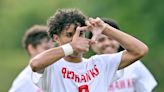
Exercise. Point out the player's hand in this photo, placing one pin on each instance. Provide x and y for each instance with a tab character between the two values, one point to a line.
79	43
96	26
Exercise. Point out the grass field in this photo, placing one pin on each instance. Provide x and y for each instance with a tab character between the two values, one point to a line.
12	62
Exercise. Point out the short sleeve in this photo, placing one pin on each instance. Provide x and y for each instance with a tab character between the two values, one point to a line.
23	82
145	81
35	77
24	86
42	80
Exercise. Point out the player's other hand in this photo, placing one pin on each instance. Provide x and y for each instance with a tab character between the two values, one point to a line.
79	43
96	26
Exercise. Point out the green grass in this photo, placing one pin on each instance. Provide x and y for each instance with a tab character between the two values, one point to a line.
12	62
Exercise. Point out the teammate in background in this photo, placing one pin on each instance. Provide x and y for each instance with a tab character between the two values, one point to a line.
136	77
63	68
35	41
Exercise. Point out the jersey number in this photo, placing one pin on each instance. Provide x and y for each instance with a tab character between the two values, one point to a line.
83	88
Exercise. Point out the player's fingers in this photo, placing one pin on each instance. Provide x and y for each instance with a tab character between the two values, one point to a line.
88	23
84	28
77	33
92	21
98	20
94	37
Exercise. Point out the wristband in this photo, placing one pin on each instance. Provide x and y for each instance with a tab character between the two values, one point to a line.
67	48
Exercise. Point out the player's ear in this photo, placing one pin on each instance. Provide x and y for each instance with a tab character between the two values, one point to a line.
31	49
56	38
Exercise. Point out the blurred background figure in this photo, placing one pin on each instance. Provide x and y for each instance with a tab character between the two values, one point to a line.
134	78
35	40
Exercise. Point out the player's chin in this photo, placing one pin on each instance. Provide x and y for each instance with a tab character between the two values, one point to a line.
75	55
106	52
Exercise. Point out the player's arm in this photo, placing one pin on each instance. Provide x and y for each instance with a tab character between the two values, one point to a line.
134	49
46	58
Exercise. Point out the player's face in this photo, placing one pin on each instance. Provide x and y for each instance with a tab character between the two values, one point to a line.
44	45
105	45
66	35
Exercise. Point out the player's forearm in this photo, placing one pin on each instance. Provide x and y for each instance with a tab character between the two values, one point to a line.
131	44
46	58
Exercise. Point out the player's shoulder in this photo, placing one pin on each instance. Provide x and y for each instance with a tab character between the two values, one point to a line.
137	63
107	56
23	76
103	55
85	59
22	79
135	66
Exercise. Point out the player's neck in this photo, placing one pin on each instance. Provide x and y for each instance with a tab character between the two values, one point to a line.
73	59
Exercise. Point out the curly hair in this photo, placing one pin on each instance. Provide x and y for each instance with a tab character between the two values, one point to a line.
63	18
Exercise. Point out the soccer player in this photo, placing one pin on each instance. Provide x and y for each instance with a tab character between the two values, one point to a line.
134	78
64	70
35	41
